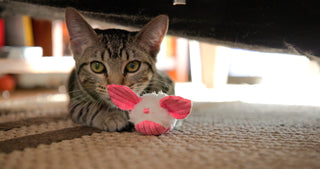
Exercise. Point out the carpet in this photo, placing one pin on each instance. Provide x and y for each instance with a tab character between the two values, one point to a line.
215	135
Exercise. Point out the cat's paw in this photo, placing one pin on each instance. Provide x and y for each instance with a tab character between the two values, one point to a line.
116	122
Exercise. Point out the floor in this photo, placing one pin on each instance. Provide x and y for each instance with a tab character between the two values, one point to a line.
35	132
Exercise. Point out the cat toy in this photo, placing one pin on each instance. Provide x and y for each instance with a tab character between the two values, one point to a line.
152	113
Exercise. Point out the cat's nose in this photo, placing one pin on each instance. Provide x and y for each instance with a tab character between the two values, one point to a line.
115	78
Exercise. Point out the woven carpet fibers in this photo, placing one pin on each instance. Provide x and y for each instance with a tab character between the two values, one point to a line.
215	135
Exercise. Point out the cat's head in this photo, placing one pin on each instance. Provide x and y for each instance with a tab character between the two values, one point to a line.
113	56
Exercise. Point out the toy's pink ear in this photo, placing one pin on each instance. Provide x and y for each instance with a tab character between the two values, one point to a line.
177	107
123	97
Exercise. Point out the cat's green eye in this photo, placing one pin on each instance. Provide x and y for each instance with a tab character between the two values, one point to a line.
133	66
97	67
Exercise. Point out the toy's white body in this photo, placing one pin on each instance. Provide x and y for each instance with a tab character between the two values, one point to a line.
153	113
149	109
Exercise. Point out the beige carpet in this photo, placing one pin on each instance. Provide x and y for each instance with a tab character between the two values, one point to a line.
216	135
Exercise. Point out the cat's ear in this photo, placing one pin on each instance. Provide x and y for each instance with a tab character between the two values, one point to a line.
178	107
123	97
151	35
81	33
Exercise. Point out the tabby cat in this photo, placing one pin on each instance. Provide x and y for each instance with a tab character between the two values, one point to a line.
112	56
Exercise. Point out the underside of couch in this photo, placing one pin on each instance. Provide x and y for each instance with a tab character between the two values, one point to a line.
274	26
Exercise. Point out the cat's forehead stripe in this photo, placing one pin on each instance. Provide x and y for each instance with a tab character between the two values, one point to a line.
102	55
108	52
127	53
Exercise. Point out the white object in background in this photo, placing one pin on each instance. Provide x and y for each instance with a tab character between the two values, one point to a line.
179	2
12	52
195	62
182	59
38	65
57	38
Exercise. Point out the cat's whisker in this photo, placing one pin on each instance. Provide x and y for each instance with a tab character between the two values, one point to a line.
74	91
79	99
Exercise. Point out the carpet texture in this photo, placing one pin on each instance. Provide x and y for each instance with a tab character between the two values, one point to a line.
215	135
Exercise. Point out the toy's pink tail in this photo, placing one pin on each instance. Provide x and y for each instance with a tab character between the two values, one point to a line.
123	97
177	107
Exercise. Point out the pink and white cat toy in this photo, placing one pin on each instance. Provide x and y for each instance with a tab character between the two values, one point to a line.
152	113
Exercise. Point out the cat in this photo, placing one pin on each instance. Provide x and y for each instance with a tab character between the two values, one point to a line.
112	56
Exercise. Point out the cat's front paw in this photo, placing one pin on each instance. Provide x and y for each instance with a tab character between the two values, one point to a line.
116	122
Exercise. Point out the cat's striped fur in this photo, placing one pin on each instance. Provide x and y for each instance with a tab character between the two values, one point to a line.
114	50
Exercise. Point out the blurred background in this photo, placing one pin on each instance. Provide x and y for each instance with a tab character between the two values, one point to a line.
35	59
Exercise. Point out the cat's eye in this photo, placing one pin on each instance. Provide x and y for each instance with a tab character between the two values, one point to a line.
97	67
133	66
